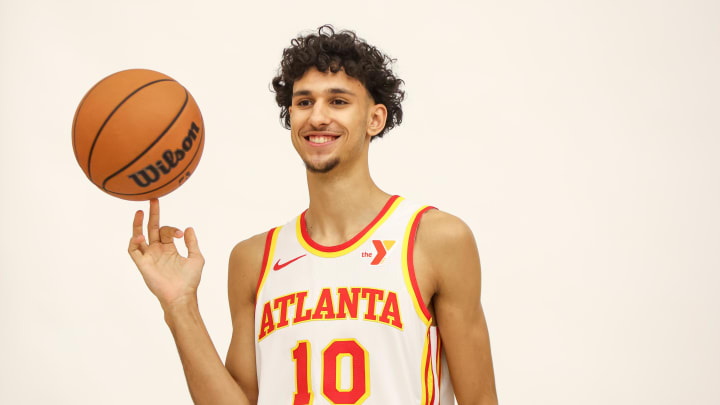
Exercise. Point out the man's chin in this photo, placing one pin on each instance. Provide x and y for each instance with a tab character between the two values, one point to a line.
322	167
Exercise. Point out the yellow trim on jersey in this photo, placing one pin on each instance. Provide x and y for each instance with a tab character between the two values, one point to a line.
423	366
363	239
268	265
426	372
406	271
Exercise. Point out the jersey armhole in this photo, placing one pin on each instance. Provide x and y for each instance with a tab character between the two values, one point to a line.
268	253
409	268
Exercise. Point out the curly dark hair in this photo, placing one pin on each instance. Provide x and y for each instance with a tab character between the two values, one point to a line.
328	50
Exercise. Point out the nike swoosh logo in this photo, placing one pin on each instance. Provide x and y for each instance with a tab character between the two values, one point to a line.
279	266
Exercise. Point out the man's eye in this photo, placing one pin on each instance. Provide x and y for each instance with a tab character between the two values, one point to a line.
338	101
303	103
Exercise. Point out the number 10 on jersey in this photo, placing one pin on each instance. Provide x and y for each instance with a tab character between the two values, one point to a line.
332	357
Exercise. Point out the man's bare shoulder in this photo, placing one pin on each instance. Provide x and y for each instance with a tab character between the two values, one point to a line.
441	232
249	249
446	243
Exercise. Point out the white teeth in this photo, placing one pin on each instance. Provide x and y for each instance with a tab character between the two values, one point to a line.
320	139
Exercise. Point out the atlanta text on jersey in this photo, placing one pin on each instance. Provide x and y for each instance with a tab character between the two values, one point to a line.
348	305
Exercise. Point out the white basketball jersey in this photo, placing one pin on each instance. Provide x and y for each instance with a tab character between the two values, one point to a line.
346	324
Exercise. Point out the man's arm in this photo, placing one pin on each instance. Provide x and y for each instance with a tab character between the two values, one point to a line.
243	274
207	378
236	383
174	280
447	247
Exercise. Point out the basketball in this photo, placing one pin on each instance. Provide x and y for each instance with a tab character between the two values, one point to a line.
138	134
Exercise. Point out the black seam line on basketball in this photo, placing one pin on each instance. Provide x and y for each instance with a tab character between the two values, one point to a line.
152	144
77	112
79	108
113	112
74	125
182	173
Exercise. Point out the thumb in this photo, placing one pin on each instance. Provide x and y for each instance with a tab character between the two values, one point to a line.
192	243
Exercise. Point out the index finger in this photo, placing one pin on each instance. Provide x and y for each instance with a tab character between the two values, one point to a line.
154	221
137	223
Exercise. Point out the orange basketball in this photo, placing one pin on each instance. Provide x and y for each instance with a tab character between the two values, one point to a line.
138	134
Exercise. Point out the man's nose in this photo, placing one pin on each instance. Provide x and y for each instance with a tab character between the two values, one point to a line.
319	116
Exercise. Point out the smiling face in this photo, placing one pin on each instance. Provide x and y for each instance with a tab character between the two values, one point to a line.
332	118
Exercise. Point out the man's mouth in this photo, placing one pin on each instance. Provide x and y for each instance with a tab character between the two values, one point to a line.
320	139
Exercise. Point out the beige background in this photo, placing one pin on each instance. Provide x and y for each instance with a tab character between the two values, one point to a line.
579	140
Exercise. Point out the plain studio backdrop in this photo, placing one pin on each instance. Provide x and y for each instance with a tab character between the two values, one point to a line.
578	140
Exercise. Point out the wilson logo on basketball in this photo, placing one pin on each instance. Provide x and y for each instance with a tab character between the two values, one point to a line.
170	159
382	247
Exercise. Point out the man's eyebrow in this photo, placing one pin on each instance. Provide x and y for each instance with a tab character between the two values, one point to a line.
333	90
336	90
301	93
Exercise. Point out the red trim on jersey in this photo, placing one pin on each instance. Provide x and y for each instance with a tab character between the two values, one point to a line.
411	267
337	248
266	253
425	399
432	371
428	366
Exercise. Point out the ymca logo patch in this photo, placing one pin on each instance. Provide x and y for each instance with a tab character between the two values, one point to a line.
382	247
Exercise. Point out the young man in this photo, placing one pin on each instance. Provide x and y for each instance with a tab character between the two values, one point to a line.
365	298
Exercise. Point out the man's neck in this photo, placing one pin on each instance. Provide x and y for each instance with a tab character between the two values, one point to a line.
342	203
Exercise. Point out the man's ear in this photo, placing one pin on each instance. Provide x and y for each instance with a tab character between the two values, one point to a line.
376	119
